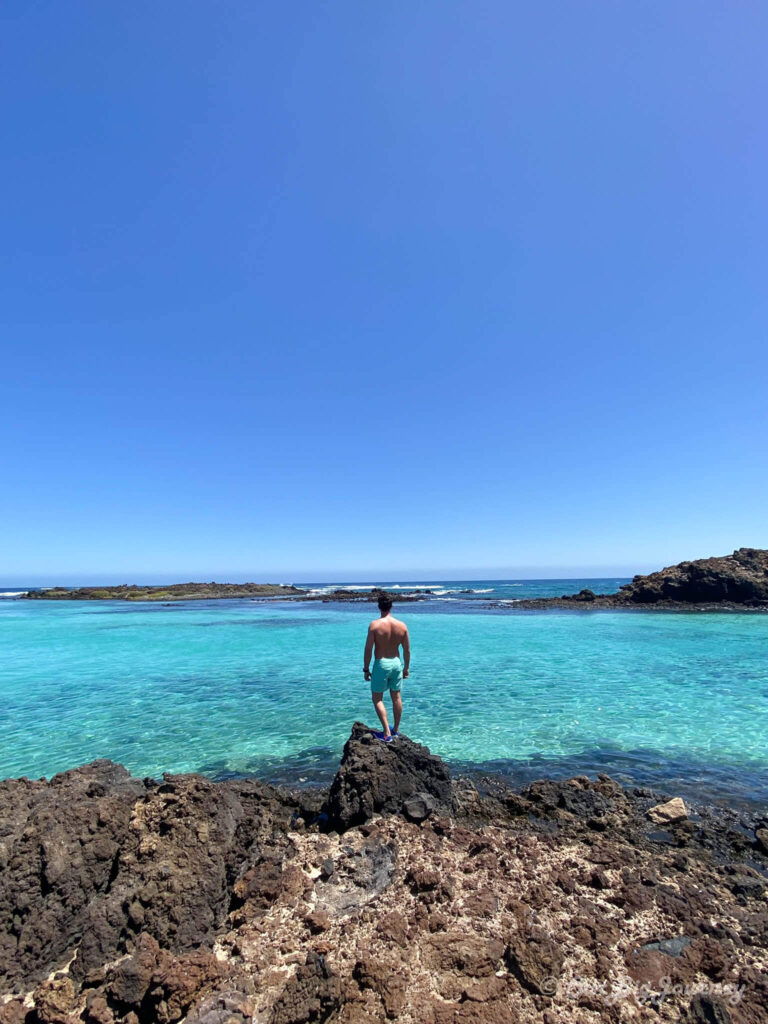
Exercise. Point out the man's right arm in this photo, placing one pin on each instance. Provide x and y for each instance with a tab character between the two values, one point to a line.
406	653
368	652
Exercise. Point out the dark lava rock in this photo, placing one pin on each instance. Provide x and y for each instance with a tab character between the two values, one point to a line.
749	886
419	807
578	796
736	581
93	857
535	961
377	777
741	577
60	844
312	994
705	1010
672	947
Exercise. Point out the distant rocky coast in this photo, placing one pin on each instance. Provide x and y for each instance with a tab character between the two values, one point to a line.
399	893
171	592
737	582
210	592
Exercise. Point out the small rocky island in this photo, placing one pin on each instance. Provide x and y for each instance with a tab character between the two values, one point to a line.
212	592
736	582
170	592
399	893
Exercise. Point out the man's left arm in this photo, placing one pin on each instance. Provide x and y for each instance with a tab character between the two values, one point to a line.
367	654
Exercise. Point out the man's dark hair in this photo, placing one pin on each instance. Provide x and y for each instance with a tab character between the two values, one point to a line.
385	603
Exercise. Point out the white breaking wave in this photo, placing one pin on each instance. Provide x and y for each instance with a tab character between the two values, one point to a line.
483	590
377	586
343	586
12	593
414	586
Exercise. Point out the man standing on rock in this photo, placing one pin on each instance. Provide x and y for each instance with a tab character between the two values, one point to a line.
385	637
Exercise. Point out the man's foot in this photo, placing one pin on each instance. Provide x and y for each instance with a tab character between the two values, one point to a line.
394	734
383	736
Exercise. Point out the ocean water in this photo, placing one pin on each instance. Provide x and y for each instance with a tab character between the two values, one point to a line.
679	701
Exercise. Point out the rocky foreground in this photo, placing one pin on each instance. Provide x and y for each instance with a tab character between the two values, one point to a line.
736	582
397	894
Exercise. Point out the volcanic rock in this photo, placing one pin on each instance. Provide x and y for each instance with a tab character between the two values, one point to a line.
731	582
226	903
95	856
419	806
376	777
312	994
705	1010
741	578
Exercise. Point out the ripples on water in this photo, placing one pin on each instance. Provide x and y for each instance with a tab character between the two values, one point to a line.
676	701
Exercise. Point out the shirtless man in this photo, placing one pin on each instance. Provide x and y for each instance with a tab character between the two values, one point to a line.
386	635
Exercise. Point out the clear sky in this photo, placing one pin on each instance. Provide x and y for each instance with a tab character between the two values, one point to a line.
325	289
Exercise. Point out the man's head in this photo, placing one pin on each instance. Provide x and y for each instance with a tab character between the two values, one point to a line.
385	604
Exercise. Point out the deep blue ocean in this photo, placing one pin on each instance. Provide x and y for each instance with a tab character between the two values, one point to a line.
675	700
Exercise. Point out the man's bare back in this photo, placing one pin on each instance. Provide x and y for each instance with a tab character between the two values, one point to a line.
386	636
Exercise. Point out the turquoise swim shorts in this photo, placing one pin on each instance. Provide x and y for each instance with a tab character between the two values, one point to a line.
387	674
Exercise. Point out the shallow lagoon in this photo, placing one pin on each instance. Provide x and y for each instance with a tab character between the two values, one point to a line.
676	700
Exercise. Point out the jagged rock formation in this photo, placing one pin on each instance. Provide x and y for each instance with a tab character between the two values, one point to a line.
219	903
741	578
376	777
737	581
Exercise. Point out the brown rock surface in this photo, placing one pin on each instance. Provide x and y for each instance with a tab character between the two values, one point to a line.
128	902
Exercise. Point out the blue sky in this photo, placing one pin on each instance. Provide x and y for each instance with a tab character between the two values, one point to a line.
329	289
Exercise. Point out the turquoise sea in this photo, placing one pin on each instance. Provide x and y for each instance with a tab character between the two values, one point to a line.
676	700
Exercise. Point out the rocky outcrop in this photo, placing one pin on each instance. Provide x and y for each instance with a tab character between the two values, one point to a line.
94	858
740	578
733	582
137	902
60	844
376	777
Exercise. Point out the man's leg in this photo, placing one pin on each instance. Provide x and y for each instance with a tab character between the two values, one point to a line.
381	711
397	707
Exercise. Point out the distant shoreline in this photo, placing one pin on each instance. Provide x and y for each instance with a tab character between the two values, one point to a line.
171	592
207	592
737	582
